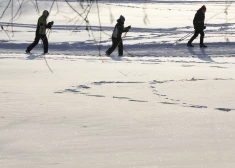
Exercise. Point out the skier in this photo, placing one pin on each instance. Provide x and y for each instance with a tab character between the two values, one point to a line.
41	32
199	26
117	36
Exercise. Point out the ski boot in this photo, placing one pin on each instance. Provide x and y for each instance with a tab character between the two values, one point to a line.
190	45
203	46
106	54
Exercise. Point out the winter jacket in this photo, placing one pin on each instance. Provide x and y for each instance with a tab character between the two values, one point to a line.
41	25
119	29
198	20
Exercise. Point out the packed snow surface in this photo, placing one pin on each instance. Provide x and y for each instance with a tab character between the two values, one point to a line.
162	105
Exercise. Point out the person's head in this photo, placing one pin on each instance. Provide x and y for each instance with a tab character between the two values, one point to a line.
45	13
122	19
203	9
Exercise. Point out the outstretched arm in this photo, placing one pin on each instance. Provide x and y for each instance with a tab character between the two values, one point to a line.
126	29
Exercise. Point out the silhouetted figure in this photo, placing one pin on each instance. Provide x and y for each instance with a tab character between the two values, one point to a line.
41	32
199	26
117	37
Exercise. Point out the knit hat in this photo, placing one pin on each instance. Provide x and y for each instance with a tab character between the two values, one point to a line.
203	7
122	18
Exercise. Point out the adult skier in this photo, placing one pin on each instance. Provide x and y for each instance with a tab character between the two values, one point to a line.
41	32
199	26
117	36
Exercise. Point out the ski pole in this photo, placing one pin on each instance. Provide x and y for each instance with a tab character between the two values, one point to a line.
122	38
48	32
124	35
124	48
181	39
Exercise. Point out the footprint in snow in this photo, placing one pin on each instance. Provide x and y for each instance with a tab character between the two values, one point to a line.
83	87
224	109
116	97
96	95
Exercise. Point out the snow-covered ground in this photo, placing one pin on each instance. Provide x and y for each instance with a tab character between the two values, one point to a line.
160	106
165	23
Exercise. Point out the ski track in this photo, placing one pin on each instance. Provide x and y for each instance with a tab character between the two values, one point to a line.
166	99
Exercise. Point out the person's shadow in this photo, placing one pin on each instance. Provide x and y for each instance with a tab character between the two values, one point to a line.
202	55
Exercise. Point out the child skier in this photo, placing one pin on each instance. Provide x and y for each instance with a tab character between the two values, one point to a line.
41	32
199	26
117	37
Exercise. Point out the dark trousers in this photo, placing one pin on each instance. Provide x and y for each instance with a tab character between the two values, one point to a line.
36	40
201	32
116	42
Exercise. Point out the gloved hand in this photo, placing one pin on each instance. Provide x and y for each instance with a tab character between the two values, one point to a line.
50	24
204	27
128	28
